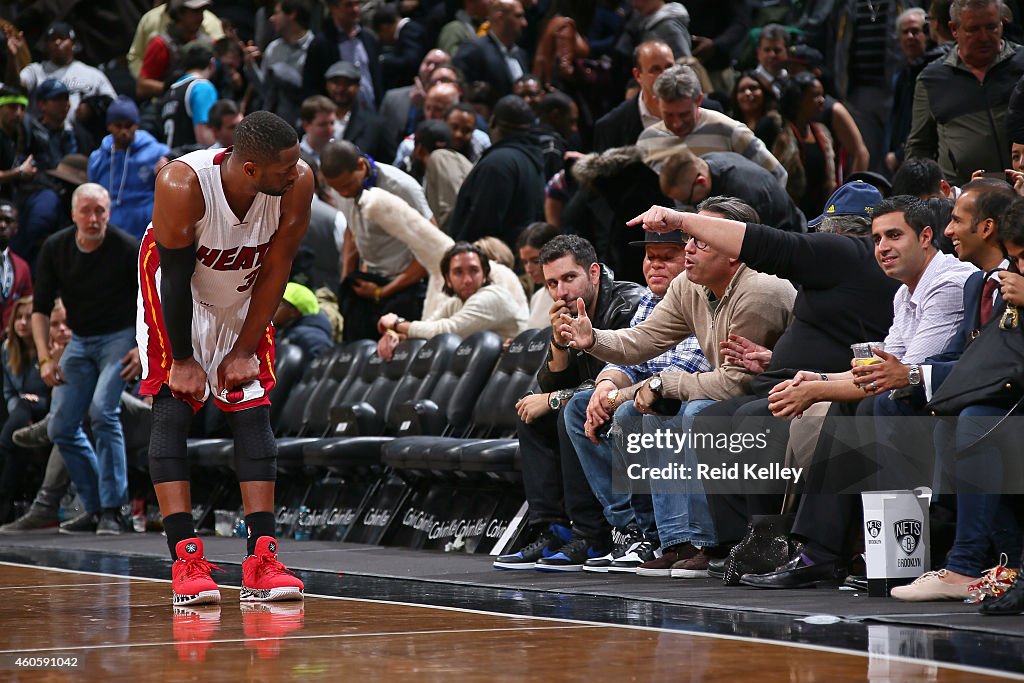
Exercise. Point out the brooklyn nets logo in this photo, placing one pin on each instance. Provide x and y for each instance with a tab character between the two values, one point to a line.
908	534
874	527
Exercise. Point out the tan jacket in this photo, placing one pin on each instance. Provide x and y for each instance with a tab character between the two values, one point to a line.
755	305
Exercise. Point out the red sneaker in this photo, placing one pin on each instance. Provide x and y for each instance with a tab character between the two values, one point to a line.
266	624
265	578
194	629
191	575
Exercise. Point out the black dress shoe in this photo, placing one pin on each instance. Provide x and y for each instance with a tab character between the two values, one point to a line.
796	574
1009	603
716	567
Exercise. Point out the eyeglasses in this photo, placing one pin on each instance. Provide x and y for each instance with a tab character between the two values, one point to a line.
700	245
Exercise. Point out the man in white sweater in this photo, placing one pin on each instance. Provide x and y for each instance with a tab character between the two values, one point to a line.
476	304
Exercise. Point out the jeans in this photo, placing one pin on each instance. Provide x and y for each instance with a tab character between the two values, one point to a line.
91	369
15	460
985	522
620	508
680	517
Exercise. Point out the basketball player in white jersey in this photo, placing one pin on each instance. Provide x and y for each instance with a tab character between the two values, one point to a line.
212	268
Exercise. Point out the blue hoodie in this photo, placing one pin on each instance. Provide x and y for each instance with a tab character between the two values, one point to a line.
130	179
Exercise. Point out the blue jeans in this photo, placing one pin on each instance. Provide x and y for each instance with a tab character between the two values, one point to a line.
985	523
680	517
91	369
620	508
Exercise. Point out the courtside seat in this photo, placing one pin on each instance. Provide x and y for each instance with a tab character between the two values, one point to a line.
494	416
416	383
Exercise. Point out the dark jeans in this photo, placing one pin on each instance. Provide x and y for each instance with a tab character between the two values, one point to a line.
556	486
14	457
361	315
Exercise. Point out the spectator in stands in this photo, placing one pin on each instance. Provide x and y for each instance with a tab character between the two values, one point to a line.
298	321
913	35
93	267
717	29
440	100
401	222
759	303
530	89
228	62
622	125
15	277
922	178
772	50
429	137
589	413
186	106
224	118
557	130
657	20
495	58
27	399
81	80
126	165
690	179
317	116
379	274
343	39
474	304
973	133
464	27
402	108
556	488
445	170
927	311
505	190
466	137
353	120
91	122
402	45
278	74
531	240
162	61
157	21
804	146
756	105
52	123
683	120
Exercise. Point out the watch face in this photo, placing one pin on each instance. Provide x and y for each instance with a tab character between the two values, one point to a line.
656	385
554	402
613	395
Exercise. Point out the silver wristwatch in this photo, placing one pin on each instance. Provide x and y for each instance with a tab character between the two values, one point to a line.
914	375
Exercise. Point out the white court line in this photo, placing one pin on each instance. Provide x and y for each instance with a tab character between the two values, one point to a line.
378	634
656	629
64	585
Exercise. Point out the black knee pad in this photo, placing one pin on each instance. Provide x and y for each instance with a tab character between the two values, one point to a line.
255	446
168	453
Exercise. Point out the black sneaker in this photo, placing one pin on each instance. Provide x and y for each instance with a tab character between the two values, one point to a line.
84	523
624	540
110	523
571	556
548	541
644	551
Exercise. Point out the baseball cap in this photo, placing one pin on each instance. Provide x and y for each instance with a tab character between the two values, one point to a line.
123	109
343	70
852	199
676	237
51	88
60	28
302	298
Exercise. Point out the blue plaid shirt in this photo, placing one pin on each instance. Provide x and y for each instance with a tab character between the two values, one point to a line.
686	356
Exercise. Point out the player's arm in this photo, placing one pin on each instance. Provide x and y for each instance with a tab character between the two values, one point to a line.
178	206
277	264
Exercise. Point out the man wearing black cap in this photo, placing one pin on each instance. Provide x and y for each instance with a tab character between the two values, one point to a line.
80	79
505	190
355	121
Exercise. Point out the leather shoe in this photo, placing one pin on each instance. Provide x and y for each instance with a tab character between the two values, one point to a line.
796	574
716	567
1009	603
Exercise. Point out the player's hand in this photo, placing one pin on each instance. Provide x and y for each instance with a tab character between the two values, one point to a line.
187	378
577	332
131	366
236	370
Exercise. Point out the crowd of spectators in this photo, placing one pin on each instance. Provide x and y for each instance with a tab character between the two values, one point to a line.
494	164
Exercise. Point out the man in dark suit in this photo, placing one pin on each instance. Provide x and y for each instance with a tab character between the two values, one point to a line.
402	108
342	38
495	58
355	122
622	125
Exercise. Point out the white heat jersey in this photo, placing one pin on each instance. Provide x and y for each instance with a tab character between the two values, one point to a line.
229	248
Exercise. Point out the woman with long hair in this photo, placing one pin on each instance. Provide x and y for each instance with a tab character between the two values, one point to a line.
754	103
804	146
27	398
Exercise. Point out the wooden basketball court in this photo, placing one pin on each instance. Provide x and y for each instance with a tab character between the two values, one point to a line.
79	626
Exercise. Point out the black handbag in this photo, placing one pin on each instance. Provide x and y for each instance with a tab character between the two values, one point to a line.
990	371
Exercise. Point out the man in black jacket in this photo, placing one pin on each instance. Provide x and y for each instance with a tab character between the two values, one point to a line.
343	38
505	190
495	58
556	487
355	121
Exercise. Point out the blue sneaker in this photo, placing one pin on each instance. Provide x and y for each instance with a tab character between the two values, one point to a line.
571	556
548	541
